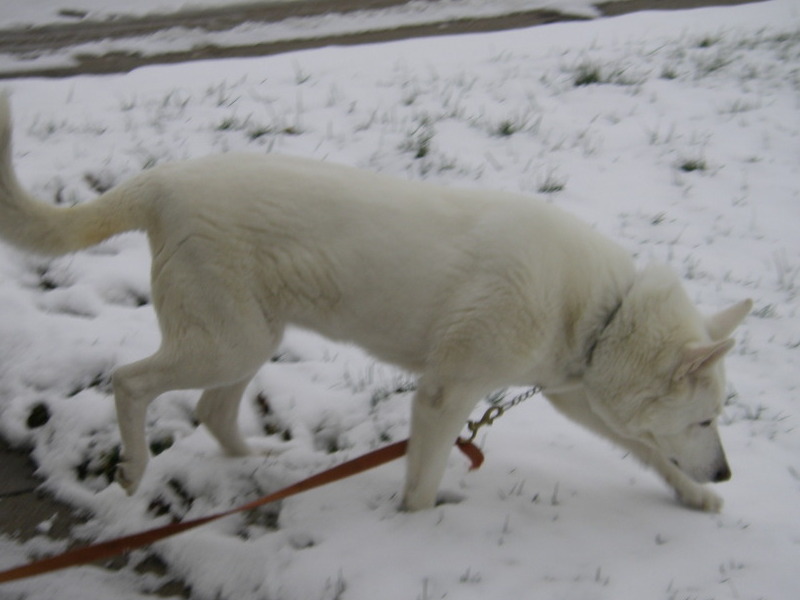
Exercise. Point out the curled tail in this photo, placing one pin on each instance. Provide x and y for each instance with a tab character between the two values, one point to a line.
42	228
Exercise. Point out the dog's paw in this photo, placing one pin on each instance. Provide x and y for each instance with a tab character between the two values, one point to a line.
700	498
129	474
441	498
449	497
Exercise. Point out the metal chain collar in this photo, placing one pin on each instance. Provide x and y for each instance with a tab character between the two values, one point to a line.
496	411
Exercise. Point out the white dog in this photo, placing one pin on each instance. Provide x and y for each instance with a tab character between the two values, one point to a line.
473	290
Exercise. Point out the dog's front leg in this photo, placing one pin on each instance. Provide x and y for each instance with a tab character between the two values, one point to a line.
438	414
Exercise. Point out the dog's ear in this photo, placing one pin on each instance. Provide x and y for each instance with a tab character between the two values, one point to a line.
722	324
697	357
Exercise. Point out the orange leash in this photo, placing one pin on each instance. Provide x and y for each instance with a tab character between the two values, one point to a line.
103	550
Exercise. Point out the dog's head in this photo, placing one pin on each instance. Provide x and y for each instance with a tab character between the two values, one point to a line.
658	377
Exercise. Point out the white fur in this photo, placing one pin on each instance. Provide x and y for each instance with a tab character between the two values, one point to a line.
473	290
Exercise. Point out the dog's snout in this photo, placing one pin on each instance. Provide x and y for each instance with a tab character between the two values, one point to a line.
722	474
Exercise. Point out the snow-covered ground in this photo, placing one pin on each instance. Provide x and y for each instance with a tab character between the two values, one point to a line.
677	134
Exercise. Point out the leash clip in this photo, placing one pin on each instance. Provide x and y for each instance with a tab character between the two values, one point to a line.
496	411
490	416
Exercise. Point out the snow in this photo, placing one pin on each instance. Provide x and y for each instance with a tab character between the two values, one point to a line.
554	512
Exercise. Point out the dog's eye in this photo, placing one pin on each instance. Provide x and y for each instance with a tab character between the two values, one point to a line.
706	423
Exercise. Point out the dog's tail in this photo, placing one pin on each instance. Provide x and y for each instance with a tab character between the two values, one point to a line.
54	230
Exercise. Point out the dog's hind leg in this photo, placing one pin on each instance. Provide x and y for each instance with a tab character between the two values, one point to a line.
223	364
216	333
218	410
135	386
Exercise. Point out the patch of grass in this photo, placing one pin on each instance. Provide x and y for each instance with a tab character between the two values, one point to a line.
271	423
470	576
768	311
401	385
175	501
291	130
100	182
738	106
690	165
788	273
422	146
102	465
138	299
551	184
266	518
222	94
515	124
507	128
708	41
101	382
149	162
669	73
592	73
258	132
47	282
301	76
418	141
706	65
588	74
230	124
327	440
335	589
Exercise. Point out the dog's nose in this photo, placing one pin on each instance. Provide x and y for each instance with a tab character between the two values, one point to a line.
723	474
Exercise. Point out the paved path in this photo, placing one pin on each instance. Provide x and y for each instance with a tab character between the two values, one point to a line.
22	508
63	36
